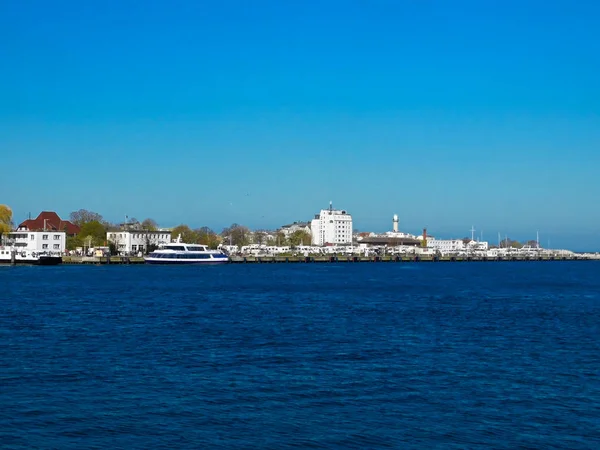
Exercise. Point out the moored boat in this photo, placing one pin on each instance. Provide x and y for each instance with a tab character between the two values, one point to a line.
16	255
181	253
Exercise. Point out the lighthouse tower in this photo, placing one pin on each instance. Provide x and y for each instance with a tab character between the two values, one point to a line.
395	223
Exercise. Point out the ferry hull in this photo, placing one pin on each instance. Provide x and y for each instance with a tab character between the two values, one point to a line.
48	261
164	262
41	261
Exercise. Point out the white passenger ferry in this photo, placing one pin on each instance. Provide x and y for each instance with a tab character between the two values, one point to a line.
180	253
20	254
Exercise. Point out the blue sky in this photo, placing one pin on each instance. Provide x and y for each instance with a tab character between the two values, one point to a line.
450	114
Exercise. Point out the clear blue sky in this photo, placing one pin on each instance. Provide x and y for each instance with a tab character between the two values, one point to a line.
448	113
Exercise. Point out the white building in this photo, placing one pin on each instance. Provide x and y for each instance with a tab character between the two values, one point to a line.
39	241
290	229
446	245
134	241
331	226
478	246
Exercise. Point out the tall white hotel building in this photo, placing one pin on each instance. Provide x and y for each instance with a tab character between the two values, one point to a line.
331	226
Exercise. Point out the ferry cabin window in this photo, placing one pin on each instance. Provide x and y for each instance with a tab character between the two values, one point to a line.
176	247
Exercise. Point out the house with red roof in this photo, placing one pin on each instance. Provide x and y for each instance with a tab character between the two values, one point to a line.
49	221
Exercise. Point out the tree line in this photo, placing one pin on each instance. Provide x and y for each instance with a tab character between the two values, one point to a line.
93	229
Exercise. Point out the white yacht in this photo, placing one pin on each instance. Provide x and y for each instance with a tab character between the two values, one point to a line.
181	253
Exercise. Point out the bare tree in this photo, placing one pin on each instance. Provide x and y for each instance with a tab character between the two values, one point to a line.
259	237
236	234
84	216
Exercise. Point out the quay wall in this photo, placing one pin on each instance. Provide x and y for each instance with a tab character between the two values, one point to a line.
325	259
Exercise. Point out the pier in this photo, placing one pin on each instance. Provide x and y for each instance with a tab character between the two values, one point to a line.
388	259
124	260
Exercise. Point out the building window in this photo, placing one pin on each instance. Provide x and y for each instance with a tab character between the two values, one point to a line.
56	237
45	237
32	237
56	246
44	245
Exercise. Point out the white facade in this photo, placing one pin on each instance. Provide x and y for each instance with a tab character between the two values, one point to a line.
331	226
39	241
135	241
446	245
478	246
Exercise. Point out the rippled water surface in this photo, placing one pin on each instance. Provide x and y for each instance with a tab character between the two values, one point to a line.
385	355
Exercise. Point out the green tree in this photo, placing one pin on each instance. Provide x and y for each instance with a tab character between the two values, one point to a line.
208	237
300	237
113	248
280	239
149	224
94	230
83	216
187	234
73	242
6	224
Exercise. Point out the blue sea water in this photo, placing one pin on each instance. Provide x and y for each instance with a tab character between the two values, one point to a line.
324	356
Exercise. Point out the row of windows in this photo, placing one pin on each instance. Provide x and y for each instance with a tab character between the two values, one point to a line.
55	246
139	235
45	237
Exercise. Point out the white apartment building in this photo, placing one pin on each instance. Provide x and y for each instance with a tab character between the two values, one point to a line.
455	245
39	241
331	226
445	245
134	241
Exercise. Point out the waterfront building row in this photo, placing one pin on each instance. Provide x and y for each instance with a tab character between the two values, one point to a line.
331	231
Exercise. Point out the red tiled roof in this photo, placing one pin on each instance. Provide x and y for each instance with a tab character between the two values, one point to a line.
53	223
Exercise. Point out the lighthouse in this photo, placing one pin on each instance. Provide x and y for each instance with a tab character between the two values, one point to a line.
395	222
